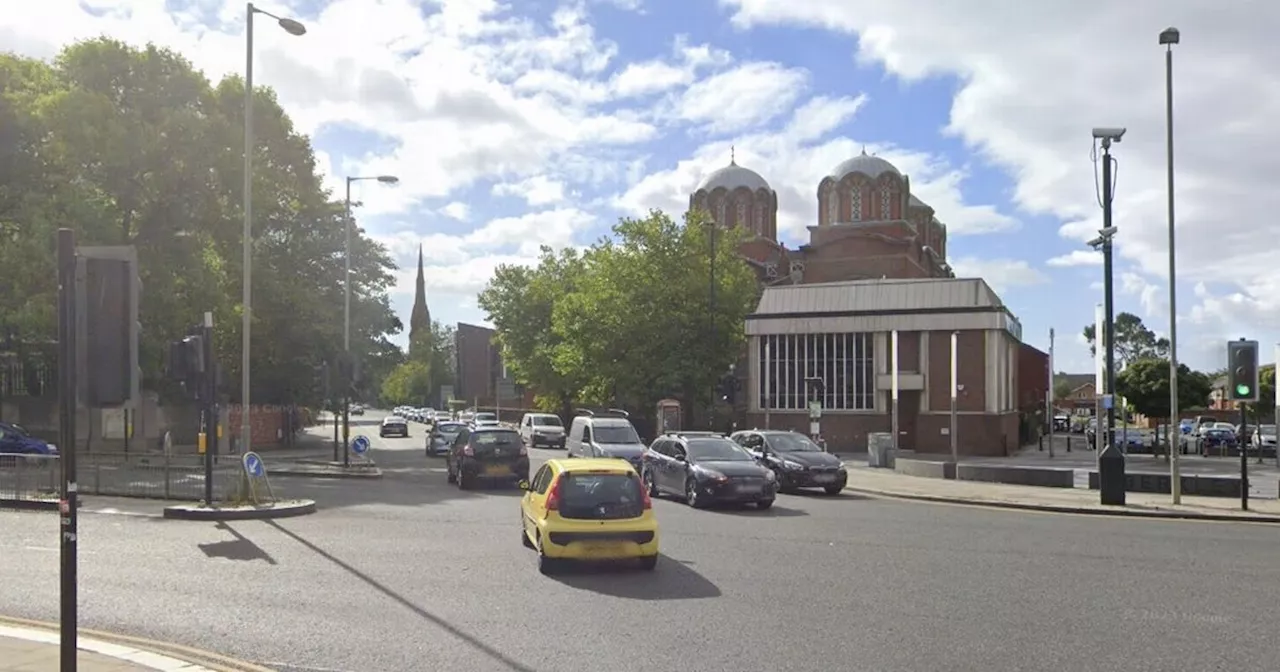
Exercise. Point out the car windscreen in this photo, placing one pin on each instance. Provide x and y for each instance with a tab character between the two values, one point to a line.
615	434
793	443
546	421
718	450
485	416
600	496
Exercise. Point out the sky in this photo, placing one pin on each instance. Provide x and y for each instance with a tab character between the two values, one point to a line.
541	122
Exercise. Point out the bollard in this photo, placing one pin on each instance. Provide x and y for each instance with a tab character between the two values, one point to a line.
1068	444
1041	443
1111	477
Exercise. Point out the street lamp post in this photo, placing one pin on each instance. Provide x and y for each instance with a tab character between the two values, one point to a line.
1108	452
1168	38
346	314
293	28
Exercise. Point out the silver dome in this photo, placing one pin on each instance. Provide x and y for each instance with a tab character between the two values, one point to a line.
871	166
733	177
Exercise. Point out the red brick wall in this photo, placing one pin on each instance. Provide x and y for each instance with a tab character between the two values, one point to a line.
265	423
1033	376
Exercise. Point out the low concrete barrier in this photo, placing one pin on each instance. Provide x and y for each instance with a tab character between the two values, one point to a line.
1192	484
925	468
1034	476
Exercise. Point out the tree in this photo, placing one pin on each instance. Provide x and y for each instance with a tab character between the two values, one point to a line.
1062	389
1145	384
444	359
409	383
134	147
640	324
1134	340
520	302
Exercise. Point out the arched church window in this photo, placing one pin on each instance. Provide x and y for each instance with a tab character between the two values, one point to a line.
886	204
742	213
855	204
833	205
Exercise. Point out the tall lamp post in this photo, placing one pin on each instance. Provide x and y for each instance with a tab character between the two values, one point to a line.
1168	38
346	314
293	28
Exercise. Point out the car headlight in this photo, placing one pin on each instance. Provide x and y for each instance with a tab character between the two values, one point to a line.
769	476
792	466
714	475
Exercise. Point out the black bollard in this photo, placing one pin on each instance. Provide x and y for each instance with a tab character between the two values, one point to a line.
1111	476
1068	444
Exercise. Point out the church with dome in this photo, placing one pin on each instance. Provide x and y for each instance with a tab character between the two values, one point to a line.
869	224
867	321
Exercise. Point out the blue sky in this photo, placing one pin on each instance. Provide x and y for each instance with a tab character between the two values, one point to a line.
543	122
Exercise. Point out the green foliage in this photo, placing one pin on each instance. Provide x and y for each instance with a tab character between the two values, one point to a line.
443	360
1145	384
1062	389
630	319
134	147
409	383
1134	340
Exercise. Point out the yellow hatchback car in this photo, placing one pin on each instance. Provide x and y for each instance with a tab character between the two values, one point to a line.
588	509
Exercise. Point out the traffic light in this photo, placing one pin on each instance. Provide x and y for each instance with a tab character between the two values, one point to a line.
1242	370
187	364
107	289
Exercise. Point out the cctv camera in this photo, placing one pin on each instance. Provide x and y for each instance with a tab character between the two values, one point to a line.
1097	242
1107	232
1113	134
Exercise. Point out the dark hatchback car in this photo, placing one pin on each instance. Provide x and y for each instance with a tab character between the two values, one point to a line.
795	460
705	470
488	453
441	437
394	425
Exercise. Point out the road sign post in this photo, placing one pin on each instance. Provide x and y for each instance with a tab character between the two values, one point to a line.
360	445
255	479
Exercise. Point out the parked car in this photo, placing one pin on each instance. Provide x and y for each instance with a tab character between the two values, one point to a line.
16	441
1217	440
490	453
1264	438
394	425
705	470
593	509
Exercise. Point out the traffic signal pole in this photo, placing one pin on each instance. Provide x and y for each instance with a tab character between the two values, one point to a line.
1243	377
68	385
1244	462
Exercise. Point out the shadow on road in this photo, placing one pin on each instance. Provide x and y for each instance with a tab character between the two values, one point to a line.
239	547
672	580
439	622
751	511
845	496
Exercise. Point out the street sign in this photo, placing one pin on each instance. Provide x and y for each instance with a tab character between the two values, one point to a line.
360	445
254	483
253	467
506	389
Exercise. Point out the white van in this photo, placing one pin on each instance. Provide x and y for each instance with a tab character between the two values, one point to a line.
542	429
604	434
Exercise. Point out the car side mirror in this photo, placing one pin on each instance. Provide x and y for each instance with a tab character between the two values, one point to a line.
681	458
523	485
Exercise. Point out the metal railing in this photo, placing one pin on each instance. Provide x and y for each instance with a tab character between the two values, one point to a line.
156	476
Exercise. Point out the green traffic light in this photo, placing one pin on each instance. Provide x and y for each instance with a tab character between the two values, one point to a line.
1242	390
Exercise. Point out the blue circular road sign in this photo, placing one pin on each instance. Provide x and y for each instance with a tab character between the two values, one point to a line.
360	445
253	464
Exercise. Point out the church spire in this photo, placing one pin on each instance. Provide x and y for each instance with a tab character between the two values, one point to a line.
420	318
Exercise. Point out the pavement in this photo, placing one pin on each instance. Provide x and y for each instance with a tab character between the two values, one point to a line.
33	649
406	573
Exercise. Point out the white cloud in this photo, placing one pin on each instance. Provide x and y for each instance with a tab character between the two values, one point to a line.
1000	274
1077	258
1033	82
742	98
538	190
457	210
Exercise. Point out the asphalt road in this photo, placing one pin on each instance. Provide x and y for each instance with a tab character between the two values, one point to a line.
409	574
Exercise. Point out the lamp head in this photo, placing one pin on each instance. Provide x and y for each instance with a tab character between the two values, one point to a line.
1170	35
388	179
292	27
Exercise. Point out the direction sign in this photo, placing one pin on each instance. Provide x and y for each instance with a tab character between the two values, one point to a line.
253	466
360	445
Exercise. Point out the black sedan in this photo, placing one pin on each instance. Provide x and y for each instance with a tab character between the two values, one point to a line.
394	425
706	470
795	460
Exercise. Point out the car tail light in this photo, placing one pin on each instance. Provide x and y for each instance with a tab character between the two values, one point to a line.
468	450
553	496
523	449
645	500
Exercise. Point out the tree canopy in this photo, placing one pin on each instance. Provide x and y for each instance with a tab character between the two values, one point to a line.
135	147
1145	385
1134	340
629	320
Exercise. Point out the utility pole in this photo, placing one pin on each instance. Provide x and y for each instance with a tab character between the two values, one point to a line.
1169	37
1050	412
711	315
955	390
68	385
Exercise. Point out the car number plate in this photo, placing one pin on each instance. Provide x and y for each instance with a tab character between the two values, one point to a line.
750	489
825	478
600	550
496	470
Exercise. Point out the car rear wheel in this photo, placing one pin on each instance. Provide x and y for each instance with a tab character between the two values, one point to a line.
650	484
764	504
548	565
465	482
524	539
648	562
450	477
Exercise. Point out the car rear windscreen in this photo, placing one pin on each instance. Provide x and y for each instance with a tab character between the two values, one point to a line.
495	438
608	496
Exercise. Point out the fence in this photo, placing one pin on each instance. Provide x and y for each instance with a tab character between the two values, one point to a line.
174	477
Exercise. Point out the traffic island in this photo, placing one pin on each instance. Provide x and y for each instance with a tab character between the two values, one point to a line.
281	509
